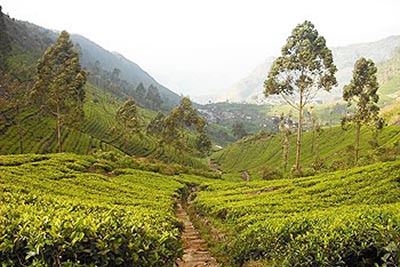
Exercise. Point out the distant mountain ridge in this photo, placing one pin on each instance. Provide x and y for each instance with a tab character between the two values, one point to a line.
250	88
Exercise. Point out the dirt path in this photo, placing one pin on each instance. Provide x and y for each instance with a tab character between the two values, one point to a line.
195	249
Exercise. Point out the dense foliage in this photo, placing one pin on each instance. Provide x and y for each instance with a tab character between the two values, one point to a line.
58	210
362	92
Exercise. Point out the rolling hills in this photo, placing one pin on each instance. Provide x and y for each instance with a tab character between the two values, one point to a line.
106	202
93	134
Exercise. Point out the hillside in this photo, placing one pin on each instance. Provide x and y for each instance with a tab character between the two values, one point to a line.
255	153
250	89
30	41
95	133
389	76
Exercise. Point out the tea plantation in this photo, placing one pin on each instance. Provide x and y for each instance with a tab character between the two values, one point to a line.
344	218
95	132
257	152
56	210
73	210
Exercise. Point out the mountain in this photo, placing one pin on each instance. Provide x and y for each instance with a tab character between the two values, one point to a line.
250	88
30	41
130	71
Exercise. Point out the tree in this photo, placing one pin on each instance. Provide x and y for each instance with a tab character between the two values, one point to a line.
156	125
14	96
305	67
362	92
153	98
203	143
238	130
141	92
58	87
182	117
127	120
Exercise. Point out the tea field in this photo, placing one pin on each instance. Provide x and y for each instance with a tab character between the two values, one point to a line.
264	150
93	134
75	210
59	210
344	218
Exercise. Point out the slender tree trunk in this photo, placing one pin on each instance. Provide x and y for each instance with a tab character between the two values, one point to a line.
299	131
59	130
357	143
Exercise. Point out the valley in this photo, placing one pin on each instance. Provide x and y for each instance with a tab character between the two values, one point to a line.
102	165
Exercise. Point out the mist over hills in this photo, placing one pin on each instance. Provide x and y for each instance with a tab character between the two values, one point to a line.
250	88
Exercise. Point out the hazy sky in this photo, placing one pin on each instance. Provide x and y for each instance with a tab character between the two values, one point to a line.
202	47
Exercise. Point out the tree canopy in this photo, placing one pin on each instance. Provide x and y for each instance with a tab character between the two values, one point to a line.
127	120
362	93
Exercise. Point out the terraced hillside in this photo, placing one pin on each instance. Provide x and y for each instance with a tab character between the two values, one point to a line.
264	150
344	218
94	133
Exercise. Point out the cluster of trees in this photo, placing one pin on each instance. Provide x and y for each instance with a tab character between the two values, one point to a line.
149	98
183	128
306	67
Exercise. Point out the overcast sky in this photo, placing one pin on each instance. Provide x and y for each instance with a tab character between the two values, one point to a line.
202	47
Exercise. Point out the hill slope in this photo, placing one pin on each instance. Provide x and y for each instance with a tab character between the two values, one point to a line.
95	132
264	150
